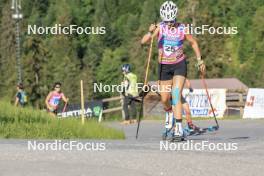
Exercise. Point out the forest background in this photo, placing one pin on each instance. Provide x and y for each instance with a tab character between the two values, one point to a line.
97	58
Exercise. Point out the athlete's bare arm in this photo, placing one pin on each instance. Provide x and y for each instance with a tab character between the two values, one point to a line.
194	45
196	49
65	99
147	37
47	100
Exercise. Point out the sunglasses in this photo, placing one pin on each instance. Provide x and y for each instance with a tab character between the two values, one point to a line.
169	22
57	87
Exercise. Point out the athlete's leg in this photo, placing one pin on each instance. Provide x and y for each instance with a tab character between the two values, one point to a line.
51	112
178	83
187	111
165	84
133	110
126	110
165	93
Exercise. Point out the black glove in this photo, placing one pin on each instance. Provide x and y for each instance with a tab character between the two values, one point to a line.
191	89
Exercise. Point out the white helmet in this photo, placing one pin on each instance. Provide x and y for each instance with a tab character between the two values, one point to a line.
168	11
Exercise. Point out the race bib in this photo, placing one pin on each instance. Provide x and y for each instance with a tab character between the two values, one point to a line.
169	50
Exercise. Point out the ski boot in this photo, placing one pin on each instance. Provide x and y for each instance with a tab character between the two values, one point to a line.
192	129
178	136
169	125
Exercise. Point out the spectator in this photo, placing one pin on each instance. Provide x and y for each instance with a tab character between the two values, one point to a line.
130	92
21	97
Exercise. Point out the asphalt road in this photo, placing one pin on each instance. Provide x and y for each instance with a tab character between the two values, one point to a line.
143	157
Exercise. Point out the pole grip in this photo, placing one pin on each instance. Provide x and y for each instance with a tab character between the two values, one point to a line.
148	61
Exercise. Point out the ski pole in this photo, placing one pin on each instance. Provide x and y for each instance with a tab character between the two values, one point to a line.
65	106
145	83
209	99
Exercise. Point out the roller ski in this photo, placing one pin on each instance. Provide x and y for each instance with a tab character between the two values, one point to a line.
192	129
211	128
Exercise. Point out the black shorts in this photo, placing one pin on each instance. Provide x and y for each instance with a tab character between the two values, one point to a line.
167	71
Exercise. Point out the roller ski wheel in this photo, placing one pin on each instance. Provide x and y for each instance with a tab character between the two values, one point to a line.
177	138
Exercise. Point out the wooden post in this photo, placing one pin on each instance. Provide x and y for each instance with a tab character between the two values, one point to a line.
122	105
100	116
82	102
241	101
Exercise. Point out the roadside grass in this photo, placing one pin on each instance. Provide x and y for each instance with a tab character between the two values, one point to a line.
29	123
